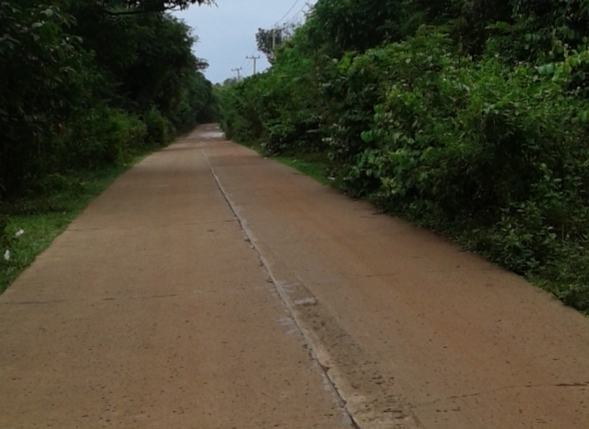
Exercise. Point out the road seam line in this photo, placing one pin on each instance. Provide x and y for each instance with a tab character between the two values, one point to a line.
317	351
312	346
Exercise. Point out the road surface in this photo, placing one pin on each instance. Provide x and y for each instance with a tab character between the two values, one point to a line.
210	288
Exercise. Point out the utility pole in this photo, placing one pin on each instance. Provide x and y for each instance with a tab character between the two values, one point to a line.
238	71
273	39
255	59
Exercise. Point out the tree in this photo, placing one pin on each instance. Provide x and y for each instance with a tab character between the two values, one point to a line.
230	81
335	26
83	85
269	40
132	7
39	65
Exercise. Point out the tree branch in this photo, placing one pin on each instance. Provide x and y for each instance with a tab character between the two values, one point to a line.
180	5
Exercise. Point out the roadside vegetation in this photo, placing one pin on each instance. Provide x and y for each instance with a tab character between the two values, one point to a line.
469	117
87	87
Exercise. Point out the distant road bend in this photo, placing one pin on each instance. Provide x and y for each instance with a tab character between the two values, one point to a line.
210	288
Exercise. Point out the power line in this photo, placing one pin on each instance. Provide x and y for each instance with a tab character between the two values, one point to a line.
246	64
295	16
243	63
287	13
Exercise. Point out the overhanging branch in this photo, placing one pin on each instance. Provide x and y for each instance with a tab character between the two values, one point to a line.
166	6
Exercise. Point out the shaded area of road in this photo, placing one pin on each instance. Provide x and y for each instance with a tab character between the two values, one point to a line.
212	288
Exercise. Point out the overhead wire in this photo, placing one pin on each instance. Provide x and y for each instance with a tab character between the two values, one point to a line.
243	62
297	15
245	65
287	13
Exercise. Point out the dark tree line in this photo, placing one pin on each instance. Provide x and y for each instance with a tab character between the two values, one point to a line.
86	83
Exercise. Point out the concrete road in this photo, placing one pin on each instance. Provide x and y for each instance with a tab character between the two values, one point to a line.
209	287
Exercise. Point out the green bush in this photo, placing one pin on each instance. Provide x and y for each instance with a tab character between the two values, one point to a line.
499	155
477	127
158	129
103	136
241	115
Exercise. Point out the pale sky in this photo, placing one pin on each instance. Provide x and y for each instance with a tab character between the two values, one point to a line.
227	32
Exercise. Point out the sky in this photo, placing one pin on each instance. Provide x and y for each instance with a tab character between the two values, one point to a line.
227	32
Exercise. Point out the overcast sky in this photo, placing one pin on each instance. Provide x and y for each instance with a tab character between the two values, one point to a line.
227	32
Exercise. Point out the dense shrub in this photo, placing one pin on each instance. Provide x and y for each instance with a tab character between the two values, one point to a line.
481	145
496	156
103	136
476	126
158	128
276	107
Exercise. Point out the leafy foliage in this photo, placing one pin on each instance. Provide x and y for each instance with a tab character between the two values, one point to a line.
468	116
269	40
134	7
337	26
84	88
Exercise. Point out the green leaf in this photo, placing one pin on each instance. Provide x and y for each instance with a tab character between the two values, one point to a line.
367	136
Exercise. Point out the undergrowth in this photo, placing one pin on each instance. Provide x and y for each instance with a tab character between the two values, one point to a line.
313	165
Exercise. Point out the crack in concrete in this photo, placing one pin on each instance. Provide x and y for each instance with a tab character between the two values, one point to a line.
57	301
586	384
132	298
501	389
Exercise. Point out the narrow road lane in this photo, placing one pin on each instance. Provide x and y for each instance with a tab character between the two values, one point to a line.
212	288
153	311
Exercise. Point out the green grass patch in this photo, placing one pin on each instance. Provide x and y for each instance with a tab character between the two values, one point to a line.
316	165
312	165
44	213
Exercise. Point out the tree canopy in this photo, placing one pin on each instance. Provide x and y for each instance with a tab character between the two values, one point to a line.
270	40
130	7
85	84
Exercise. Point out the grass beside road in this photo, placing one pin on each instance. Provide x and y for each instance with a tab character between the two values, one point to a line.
311	165
44	214
315	165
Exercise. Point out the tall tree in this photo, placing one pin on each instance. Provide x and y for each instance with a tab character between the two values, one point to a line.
336	26
269	40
